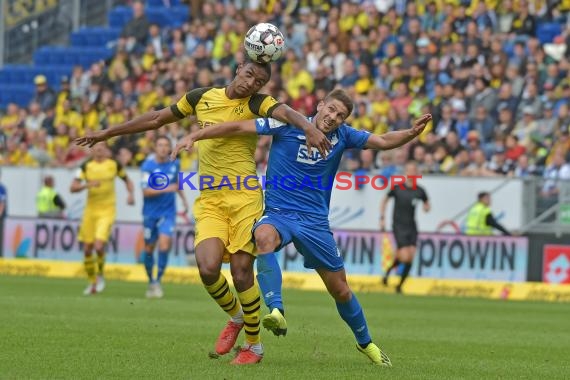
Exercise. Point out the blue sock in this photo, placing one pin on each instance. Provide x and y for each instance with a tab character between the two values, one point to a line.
351	313
270	280
162	261
148	264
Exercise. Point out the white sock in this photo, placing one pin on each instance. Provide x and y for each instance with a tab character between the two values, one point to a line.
257	348
238	318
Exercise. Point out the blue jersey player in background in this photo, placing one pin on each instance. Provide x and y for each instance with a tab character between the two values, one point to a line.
159	210
298	190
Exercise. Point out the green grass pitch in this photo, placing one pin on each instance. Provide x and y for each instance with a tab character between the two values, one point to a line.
48	330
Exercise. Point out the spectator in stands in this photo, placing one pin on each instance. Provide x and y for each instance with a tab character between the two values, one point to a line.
523	169
548	124
499	163
482	60
557	171
478	166
443	159
45	96
48	202
10	122
79	82
526	126
35	118
135	31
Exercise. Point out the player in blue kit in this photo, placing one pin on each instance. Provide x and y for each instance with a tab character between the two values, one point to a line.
159	210
296	209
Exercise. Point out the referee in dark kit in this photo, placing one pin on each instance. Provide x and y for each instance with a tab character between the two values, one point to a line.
404	221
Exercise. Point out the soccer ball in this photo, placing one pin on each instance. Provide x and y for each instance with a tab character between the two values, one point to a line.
264	43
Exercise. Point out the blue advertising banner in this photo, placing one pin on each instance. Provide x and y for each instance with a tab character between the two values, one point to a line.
438	256
443	256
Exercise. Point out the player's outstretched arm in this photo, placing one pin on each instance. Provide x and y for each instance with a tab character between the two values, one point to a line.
396	139
230	128
145	122
315	138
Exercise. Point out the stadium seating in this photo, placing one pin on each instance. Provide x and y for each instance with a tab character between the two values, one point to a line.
87	45
173	16
162	3
94	37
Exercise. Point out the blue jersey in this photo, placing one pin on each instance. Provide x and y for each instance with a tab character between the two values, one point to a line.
163	204
299	180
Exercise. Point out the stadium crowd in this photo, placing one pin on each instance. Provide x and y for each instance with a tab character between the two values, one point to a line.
500	98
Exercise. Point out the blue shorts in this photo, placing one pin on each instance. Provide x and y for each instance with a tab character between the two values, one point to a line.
153	227
313	239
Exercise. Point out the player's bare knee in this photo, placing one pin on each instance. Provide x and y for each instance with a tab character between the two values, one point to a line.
99	247
164	243
164	247
266	239
88	250
209	274
341	293
242	277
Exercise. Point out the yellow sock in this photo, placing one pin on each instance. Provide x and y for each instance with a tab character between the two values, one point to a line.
250	303
222	294
101	263
89	264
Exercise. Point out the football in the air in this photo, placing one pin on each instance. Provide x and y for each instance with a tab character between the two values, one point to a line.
264	43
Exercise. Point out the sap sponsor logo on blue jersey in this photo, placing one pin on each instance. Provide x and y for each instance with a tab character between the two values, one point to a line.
314	156
306	158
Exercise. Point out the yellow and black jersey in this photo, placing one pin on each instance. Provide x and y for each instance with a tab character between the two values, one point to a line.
228	157
104	172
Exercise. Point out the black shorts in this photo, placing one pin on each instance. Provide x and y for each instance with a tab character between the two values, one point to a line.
405	237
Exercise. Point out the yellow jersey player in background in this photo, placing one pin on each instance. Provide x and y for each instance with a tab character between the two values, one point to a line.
97	175
225	217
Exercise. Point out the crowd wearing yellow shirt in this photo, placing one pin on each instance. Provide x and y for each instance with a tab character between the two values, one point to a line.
396	62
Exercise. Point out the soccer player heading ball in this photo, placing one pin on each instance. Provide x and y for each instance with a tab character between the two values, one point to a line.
225	218
300	215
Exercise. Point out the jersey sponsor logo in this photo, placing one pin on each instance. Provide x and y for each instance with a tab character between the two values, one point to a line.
306	157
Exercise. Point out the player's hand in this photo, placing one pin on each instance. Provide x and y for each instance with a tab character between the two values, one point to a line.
421	123
317	139
131	200
92	138
91	184
186	143
382	225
